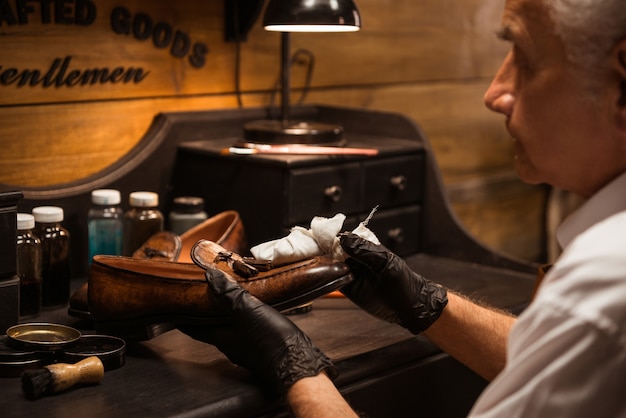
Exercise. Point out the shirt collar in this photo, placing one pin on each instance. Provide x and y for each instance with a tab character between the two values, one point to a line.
610	200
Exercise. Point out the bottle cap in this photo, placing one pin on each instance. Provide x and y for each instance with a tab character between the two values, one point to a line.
47	214
25	221
144	199
106	197
188	204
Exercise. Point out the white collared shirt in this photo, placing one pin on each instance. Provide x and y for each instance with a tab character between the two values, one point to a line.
566	355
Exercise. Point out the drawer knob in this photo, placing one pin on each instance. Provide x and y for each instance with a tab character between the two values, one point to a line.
399	182
333	193
396	235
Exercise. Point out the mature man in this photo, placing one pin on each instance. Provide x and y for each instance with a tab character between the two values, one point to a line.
562	88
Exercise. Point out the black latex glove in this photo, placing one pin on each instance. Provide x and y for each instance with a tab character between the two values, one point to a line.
387	288
258	337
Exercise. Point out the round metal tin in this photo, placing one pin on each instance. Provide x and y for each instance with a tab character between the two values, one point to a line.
42	336
110	350
14	362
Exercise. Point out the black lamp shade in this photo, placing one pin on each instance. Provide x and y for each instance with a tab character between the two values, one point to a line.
298	14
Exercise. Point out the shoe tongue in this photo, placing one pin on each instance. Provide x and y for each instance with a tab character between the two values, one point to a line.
209	255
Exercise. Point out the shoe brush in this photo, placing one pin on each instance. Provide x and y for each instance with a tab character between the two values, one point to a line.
61	376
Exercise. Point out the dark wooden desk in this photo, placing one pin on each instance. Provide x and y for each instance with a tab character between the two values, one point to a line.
384	370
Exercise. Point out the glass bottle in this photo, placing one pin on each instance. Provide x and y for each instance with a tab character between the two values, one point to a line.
141	221
104	223
28	266
187	211
55	255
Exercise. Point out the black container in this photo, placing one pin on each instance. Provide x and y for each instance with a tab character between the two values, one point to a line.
110	350
55	245
28	266
141	222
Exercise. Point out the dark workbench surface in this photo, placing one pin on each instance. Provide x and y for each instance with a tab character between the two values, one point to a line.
173	375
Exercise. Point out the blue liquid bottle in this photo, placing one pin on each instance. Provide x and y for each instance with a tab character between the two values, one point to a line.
104	223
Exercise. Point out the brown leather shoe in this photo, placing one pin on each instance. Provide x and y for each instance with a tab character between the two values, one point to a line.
128	294
164	245
283	287
225	228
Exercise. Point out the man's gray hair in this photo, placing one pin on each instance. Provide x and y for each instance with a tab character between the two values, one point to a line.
589	29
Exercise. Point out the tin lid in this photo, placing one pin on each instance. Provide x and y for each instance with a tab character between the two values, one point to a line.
41	336
106	197
110	350
25	221
144	199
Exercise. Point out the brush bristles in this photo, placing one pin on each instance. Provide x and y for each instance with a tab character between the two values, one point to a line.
36	383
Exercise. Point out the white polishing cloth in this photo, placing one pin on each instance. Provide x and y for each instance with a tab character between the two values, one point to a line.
301	243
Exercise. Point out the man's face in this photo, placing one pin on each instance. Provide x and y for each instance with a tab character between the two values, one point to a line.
560	135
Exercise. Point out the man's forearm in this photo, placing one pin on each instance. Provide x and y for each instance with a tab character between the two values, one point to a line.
317	397
473	334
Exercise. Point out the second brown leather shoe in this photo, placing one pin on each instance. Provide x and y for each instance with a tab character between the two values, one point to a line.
164	245
126	293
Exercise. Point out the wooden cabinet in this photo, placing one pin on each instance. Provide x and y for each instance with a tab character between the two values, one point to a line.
275	192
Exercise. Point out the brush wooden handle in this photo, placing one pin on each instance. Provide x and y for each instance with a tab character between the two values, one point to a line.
89	370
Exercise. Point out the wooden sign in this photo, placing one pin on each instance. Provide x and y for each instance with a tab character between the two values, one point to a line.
54	51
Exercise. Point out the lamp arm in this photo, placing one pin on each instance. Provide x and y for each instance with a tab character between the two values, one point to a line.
285	76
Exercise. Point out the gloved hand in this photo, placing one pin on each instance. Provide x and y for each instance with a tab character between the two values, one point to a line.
387	288
258	337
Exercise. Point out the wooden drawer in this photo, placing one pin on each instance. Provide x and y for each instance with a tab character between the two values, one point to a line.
393	182
323	191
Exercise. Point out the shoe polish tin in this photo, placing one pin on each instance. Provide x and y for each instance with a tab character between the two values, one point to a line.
14	362
110	350
42	336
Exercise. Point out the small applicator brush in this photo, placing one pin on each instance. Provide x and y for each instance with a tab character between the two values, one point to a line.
58	377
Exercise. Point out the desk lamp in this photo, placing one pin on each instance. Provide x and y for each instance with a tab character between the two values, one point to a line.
288	16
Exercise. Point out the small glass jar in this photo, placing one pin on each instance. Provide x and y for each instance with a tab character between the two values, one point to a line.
28	266
55	255
187	211
104	223
141	221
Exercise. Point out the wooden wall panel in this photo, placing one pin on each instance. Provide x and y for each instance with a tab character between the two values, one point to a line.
503	213
91	136
430	60
467	138
403	43
400	41
67	142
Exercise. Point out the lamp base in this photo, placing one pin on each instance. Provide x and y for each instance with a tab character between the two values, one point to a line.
289	132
